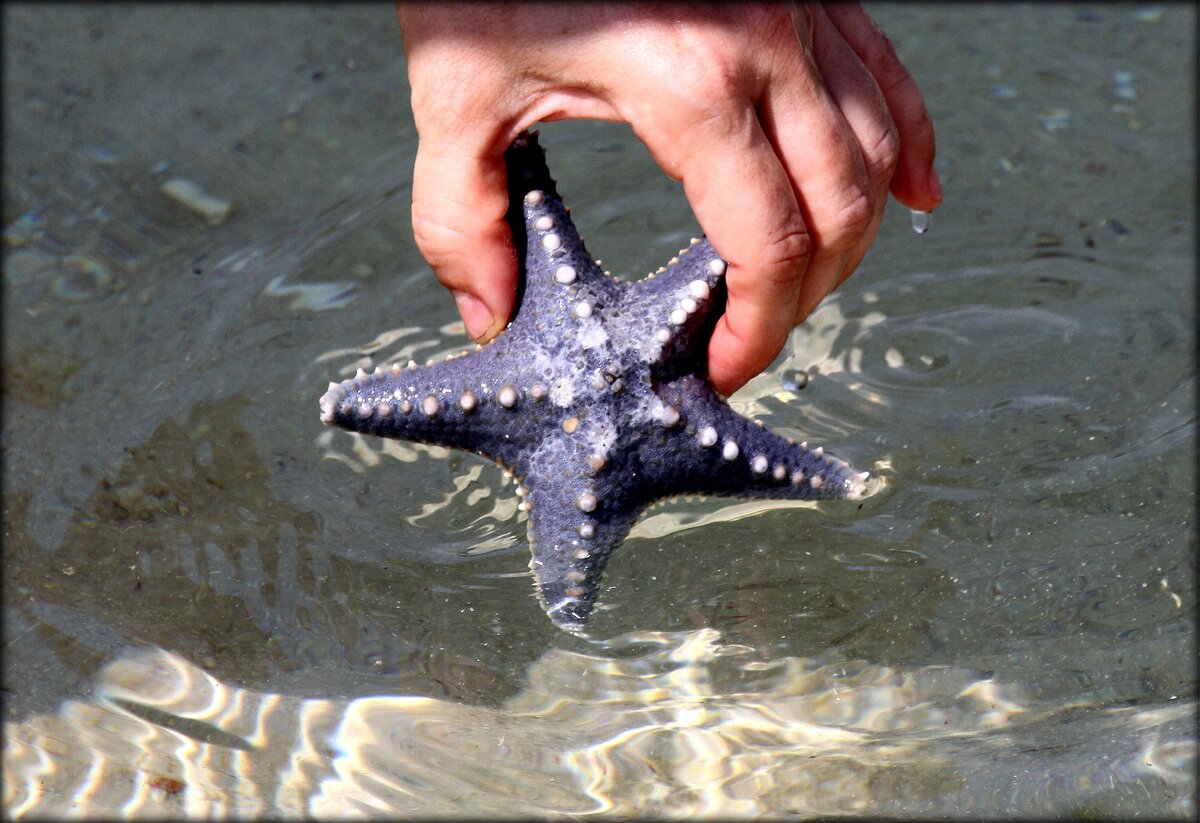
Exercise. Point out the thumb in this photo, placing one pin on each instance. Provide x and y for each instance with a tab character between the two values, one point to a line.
459	204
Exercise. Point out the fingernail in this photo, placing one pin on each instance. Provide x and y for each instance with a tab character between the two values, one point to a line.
476	316
935	185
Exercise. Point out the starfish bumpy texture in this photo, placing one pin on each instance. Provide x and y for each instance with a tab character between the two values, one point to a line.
595	397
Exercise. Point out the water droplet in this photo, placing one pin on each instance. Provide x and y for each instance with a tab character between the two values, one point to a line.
1122	87
920	221
1055	119
794	379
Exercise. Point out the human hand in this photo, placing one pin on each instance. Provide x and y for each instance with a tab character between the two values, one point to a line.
787	125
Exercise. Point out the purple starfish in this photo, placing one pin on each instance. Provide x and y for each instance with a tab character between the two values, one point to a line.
595	397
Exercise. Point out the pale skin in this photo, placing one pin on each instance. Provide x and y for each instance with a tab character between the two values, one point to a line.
787	124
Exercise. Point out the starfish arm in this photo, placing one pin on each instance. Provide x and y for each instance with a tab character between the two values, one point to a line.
561	280
478	402
668	317
577	517
714	450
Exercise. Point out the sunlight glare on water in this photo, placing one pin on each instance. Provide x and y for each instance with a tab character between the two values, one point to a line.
655	724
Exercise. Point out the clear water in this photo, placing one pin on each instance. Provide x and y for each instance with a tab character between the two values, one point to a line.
213	605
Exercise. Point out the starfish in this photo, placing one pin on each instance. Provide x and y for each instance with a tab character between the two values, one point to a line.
595	397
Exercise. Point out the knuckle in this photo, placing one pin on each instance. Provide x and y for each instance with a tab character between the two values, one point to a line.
787	253
435	234
881	156
701	66
852	220
433	239
708	95
725	123
711	83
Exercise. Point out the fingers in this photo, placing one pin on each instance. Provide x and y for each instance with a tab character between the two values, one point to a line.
783	192
787	133
915	182
819	145
862	105
741	196
459	203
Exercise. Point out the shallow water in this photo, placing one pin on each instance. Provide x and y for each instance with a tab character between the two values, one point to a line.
213	605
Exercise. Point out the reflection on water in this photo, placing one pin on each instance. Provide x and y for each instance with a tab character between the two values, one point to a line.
654	724
214	604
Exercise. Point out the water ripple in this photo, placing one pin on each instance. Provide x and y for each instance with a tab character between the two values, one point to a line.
649	723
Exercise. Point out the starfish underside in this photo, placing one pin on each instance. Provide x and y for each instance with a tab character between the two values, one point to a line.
595	397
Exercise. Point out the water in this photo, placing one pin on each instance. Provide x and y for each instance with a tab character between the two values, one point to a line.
213	605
